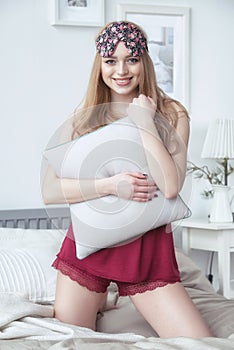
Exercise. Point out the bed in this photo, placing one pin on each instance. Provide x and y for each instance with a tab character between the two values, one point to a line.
29	241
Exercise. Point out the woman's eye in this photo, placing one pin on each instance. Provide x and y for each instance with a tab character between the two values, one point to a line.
110	62
133	60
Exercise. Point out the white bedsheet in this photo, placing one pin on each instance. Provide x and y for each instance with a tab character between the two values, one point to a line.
30	326
21	318
27	325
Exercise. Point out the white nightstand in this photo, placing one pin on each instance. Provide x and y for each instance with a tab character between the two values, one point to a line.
200	234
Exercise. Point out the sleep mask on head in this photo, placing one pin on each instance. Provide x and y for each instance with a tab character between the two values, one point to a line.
133	38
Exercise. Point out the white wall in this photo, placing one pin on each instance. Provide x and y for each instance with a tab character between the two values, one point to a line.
44	72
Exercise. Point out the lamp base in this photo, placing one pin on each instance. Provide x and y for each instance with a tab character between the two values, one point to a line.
221	210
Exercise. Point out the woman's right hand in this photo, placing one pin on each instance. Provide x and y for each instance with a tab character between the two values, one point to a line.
142	110
134	186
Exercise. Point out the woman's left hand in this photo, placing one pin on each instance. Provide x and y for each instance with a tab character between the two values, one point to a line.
141	109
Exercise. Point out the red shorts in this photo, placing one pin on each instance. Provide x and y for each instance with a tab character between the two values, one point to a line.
100	284
144	264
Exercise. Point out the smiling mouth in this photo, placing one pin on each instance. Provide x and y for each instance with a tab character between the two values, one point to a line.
122	82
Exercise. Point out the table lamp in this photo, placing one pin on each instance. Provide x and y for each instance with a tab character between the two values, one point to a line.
219	145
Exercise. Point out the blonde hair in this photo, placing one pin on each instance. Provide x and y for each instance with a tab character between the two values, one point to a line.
95	111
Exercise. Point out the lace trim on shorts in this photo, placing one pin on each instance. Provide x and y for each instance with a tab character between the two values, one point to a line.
83	278
100	284
132	289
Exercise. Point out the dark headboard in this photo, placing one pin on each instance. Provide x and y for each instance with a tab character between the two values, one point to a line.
39	218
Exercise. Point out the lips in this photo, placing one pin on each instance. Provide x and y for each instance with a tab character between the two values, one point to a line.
123	81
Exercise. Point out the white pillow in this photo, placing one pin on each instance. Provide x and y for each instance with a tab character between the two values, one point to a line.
26	256
107	221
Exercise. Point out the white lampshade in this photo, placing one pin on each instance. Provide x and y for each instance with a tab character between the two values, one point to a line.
219	141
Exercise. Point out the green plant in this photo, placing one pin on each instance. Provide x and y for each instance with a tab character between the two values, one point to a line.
216	176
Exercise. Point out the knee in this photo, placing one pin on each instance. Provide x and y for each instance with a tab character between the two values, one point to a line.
74	317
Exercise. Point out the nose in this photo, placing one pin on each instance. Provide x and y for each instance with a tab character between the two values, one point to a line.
122	68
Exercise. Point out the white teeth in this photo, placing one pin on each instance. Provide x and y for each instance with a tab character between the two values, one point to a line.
122	81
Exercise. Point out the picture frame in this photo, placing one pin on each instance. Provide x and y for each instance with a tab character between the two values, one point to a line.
89	13
167	29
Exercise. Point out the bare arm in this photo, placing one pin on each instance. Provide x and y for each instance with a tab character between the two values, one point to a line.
167	164
59	191
134	186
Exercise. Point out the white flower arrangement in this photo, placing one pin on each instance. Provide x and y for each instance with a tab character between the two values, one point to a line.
215	176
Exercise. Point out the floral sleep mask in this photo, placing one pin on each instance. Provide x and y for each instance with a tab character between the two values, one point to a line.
133	38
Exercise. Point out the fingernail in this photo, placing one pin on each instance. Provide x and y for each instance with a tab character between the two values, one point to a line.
155	195
144	174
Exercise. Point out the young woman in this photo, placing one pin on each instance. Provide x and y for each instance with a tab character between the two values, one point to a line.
145	269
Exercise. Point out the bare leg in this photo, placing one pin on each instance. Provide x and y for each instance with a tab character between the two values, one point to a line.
76	304
171	312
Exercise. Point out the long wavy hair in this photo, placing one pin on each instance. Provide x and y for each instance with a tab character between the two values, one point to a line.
96	109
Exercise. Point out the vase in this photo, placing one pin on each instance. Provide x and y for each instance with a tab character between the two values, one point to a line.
221	209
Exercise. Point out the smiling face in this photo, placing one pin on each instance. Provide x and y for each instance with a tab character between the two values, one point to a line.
121	73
